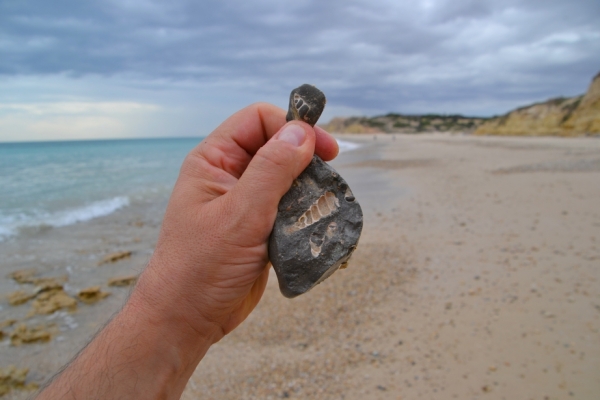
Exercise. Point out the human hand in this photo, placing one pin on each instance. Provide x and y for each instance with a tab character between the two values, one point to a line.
208	271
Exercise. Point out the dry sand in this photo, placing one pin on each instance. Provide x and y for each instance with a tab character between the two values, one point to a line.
476	277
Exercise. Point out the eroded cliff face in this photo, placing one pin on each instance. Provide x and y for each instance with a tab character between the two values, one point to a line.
575	116
586	117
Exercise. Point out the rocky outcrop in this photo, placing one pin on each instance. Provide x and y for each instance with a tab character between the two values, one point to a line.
574	116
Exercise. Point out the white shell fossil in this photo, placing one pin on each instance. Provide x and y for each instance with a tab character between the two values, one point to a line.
324	206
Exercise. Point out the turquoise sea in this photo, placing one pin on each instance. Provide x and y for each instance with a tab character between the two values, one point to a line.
62	183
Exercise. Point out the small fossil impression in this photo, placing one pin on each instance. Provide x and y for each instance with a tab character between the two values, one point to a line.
317	240
325	205
318	220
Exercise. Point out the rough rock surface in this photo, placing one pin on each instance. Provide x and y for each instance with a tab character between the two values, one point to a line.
318	221
122	280
317	228
12	377
306	104
23	334
92	294
114	257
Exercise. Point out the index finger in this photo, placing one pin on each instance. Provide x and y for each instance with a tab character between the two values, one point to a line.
232	145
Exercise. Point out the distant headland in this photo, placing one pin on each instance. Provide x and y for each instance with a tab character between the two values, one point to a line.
562	116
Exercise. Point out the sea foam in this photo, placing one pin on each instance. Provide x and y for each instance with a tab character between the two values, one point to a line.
40	220
347	146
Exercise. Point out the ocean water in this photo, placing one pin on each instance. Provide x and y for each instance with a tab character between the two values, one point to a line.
62	183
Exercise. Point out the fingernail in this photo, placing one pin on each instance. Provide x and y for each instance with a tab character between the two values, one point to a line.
292	134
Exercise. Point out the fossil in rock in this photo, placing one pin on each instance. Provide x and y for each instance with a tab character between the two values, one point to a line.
318	221
325	205
306	104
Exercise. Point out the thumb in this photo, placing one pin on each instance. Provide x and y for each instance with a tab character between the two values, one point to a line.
271	172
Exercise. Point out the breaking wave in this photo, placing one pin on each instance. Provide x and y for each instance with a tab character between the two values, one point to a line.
347	146
37	221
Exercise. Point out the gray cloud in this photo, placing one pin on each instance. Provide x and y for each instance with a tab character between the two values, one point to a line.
469	56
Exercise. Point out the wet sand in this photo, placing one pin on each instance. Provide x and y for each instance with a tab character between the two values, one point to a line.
476	277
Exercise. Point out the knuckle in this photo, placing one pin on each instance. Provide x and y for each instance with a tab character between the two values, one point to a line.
191	159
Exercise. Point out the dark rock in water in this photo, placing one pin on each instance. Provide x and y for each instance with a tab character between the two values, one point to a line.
317	228
306	104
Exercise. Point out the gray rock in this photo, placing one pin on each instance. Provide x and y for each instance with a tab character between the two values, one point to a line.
306	104
317	228
318	220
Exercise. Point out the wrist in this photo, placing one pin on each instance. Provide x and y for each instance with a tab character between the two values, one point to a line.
172	350
137	355
161	300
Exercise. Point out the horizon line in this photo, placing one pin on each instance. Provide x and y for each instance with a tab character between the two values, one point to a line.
98	139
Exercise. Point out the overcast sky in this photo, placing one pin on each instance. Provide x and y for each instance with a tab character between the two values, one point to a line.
137	68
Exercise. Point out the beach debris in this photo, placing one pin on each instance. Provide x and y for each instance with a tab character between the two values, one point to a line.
318	221
114	257
13	378
26	335
19	297
92	294
53	300
23	276
122	280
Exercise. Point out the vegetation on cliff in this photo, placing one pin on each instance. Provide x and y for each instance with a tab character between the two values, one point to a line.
399	123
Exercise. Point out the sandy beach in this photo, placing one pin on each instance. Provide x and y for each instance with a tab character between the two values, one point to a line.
476	277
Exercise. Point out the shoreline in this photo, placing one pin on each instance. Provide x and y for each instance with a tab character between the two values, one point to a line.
35	220
476	275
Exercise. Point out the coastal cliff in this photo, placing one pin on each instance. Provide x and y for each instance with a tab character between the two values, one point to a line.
399	123
572	116
561	116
